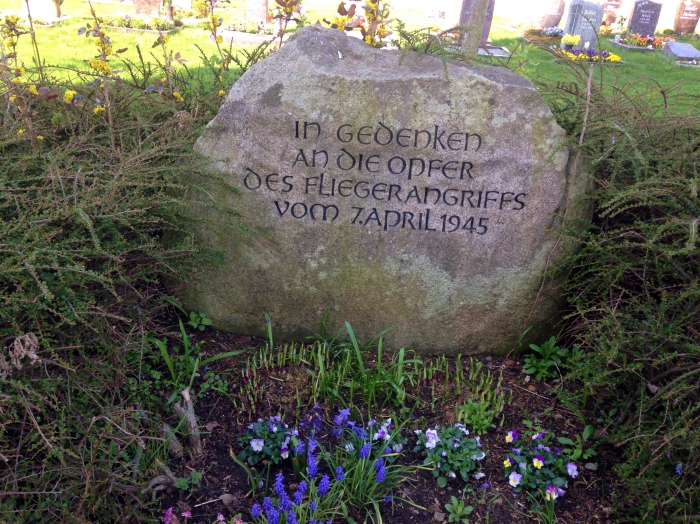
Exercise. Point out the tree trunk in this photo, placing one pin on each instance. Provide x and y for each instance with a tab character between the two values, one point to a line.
472	19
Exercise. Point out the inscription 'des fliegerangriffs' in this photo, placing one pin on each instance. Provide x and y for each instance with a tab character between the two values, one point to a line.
412	182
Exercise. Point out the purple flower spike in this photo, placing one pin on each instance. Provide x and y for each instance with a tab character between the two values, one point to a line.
324	485
679	468
279	484
339	473
364	452
379	464
381	474
313	466
256	511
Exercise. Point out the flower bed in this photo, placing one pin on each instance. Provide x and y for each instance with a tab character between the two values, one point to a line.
590	55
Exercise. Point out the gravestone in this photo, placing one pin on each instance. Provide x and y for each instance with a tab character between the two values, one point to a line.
256	11
488	19
430	206
183	4
644	17
680	51
147	7
584	19
687	16
612	11
550	13
44	10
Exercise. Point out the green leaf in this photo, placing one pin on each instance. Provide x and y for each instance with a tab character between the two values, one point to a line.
442	481
567	441
588	432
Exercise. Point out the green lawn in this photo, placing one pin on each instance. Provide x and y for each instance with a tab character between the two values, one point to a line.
61	46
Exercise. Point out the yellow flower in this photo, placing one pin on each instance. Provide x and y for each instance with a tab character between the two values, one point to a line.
33	91
222	92
69	95
16	80
537	463
340	21
382	32
13	98
20	70
507	463
164	80
98	110
219	39
221	78
39	137
100	66
20	132
178	96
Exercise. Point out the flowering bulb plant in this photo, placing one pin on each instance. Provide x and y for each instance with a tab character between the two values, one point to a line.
311	502
534	466
267	439
365	456
556	32
450	451
570	39
590	55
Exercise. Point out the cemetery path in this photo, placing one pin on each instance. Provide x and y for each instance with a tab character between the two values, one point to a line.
589	497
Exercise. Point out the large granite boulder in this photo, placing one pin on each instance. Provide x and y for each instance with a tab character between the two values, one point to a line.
390	191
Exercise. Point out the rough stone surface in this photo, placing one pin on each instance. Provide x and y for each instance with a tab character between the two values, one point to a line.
681	51
386	254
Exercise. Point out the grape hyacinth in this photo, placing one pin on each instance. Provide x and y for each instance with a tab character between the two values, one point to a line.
364	452
339	473
324	485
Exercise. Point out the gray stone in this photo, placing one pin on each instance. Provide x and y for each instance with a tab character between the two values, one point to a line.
644	17
488	19
681	51
687	16
590	466
584	19
387	195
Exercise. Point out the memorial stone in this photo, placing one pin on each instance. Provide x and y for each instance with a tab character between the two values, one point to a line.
256	11
44	10
681	51
431	205
687	16
488	19
147	7
612	11
584	19
644	17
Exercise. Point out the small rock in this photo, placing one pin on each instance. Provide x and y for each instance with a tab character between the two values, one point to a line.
510	362
531	388
591	467
527	379
489	359
434	508
439	517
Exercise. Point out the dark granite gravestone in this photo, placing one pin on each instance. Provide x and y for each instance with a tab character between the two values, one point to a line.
681	51
433	206
687	16
147	7
644	17
256	11
584	19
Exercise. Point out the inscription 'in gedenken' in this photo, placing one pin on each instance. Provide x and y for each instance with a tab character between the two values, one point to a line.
413	174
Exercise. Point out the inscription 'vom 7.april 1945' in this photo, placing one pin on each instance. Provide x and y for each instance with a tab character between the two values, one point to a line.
371	179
